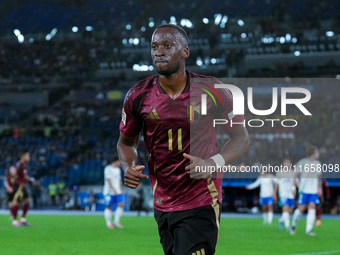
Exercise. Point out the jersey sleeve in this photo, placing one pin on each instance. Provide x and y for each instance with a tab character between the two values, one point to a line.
107	173
226	111
117	174
131	123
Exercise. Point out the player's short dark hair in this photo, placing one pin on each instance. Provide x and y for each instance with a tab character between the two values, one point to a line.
310	150
23	152
178	28
113	158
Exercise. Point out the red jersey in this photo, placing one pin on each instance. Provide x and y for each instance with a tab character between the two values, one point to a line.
173	127
21	173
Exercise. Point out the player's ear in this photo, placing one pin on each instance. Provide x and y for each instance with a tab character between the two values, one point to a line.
185	52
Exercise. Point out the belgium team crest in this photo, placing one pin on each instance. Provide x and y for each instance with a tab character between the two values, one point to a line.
193	112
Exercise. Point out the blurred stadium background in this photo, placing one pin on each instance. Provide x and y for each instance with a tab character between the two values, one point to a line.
65	67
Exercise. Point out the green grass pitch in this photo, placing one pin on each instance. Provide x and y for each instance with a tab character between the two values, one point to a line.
68	235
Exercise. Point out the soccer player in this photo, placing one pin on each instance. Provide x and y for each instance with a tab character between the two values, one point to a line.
266	182
113	189
165	108
10	186
309	188
325	194
21	192
287	191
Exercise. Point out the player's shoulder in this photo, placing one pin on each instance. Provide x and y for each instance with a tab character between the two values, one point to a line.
143	86
317	162
206	79
302	161
108	168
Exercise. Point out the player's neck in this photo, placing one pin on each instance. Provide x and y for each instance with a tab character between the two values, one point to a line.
174	84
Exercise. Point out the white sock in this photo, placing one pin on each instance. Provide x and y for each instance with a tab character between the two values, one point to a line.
23	219
118	214
270	217
108	216
296	216
282	218
310	220
264	215
285	216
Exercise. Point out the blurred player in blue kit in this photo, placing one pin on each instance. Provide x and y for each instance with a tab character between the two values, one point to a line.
113	193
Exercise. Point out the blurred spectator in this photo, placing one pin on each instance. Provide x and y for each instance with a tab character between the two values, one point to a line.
52	191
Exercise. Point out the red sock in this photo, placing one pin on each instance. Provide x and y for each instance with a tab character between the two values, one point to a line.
14	211
318	214
25	209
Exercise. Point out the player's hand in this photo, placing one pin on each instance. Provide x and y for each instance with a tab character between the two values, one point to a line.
320	193
246	187
196	161
133	175
10	189
294	192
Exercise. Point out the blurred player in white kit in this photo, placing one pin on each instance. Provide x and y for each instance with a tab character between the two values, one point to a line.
287	191
113	193
309	187
266	182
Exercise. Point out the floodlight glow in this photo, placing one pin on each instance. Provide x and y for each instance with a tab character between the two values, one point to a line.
297	53
329	33
218	18
282	40
131	40
21	38
89	28
143	29
48	37
240	22
135	41
124	41
243	35
188	24
224	19
150	68
288	37
151	24
128	27
31	40
53	32
135	67
75	29
213	61
294	40
205	20
144	68
17	32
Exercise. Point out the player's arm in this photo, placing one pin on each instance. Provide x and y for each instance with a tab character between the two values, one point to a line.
121	186
255	184
320	191
8	187
127	152
233	149
111	186
276	189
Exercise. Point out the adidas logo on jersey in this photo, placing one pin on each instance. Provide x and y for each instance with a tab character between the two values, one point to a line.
153	115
